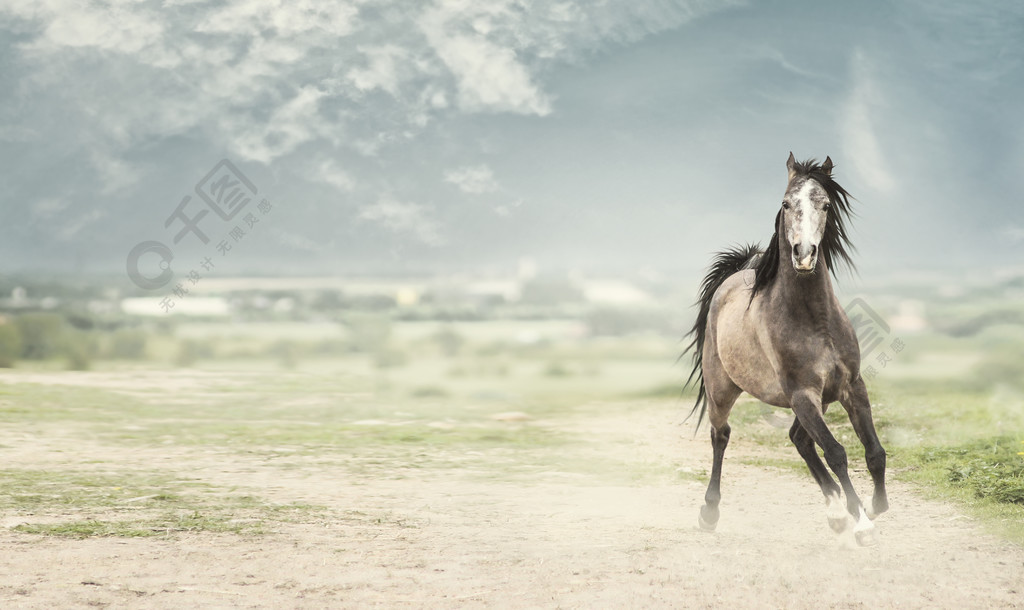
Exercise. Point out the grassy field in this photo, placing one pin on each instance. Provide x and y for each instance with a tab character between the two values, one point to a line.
422	397
481	410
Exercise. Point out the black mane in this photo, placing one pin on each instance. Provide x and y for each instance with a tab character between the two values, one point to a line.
725	263
835	243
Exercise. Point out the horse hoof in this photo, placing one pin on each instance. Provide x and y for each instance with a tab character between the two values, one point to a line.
866	537
864	531
838	525
877	508
707	525
838	518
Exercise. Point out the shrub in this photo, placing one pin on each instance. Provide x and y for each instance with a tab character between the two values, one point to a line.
79	348
286	352
191	350
128	344
449	340
390	357
557	369
369	333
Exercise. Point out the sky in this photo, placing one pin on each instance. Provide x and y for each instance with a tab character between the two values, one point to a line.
604	136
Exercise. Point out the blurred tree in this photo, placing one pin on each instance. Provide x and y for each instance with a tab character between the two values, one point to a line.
10	344
42	335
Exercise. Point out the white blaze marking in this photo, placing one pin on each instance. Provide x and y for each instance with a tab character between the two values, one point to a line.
806	211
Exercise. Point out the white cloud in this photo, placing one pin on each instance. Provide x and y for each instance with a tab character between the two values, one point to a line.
300	242
73	226
476	179
293	123
859	127
489	76
506	209
328	172
381	71
404	218
119	26
1013	233
115	174
182	66
49	207
285	18
497	50
262	80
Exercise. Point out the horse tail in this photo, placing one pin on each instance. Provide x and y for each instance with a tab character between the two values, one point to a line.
724	264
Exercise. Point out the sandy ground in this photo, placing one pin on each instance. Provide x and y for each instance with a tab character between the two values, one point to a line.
451	538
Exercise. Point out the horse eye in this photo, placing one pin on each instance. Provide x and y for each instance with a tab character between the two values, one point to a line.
828	206
785	205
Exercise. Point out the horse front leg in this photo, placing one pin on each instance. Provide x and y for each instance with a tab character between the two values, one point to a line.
837	518
807	407
858	406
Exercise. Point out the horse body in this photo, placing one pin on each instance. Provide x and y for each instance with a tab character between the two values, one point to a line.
761	356
770	325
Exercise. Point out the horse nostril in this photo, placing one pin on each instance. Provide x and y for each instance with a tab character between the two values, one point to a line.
796	251
814	250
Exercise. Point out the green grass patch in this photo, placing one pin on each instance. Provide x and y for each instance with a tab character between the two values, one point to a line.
990	470
984	476
136	504
162	525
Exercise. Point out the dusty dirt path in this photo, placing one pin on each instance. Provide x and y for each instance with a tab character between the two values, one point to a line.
445	538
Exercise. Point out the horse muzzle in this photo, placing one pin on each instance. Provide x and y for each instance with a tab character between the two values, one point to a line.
805	257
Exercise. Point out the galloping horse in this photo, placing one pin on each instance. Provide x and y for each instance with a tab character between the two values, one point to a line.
770	325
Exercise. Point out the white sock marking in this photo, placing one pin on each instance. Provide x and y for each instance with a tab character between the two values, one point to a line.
836	509
863	524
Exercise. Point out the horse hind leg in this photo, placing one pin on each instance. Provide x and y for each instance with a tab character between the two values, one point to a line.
720	402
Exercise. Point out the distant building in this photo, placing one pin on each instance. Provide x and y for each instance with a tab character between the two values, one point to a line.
196	306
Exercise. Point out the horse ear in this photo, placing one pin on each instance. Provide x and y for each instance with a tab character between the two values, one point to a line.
827	166
791	165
